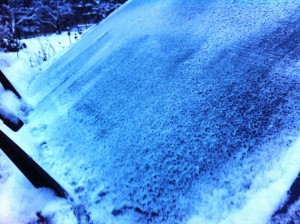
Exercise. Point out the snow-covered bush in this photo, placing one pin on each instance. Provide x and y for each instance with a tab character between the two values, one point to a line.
12	45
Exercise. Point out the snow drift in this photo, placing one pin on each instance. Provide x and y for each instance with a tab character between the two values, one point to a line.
175	112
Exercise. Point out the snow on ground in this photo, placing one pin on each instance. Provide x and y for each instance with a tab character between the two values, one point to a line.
168	112
18	201
41	51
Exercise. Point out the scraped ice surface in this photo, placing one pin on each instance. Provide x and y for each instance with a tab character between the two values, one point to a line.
176	112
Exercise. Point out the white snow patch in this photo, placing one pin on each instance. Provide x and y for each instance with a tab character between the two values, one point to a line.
20	201
263	198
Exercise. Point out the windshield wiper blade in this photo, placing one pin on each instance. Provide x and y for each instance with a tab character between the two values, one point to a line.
10	119
32	171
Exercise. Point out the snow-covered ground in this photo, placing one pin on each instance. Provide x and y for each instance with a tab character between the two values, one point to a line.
167	112
18	201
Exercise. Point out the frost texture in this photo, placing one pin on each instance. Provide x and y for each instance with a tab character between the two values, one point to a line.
160	120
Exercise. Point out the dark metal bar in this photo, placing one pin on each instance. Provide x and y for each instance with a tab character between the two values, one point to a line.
32	171
10	119
7	84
